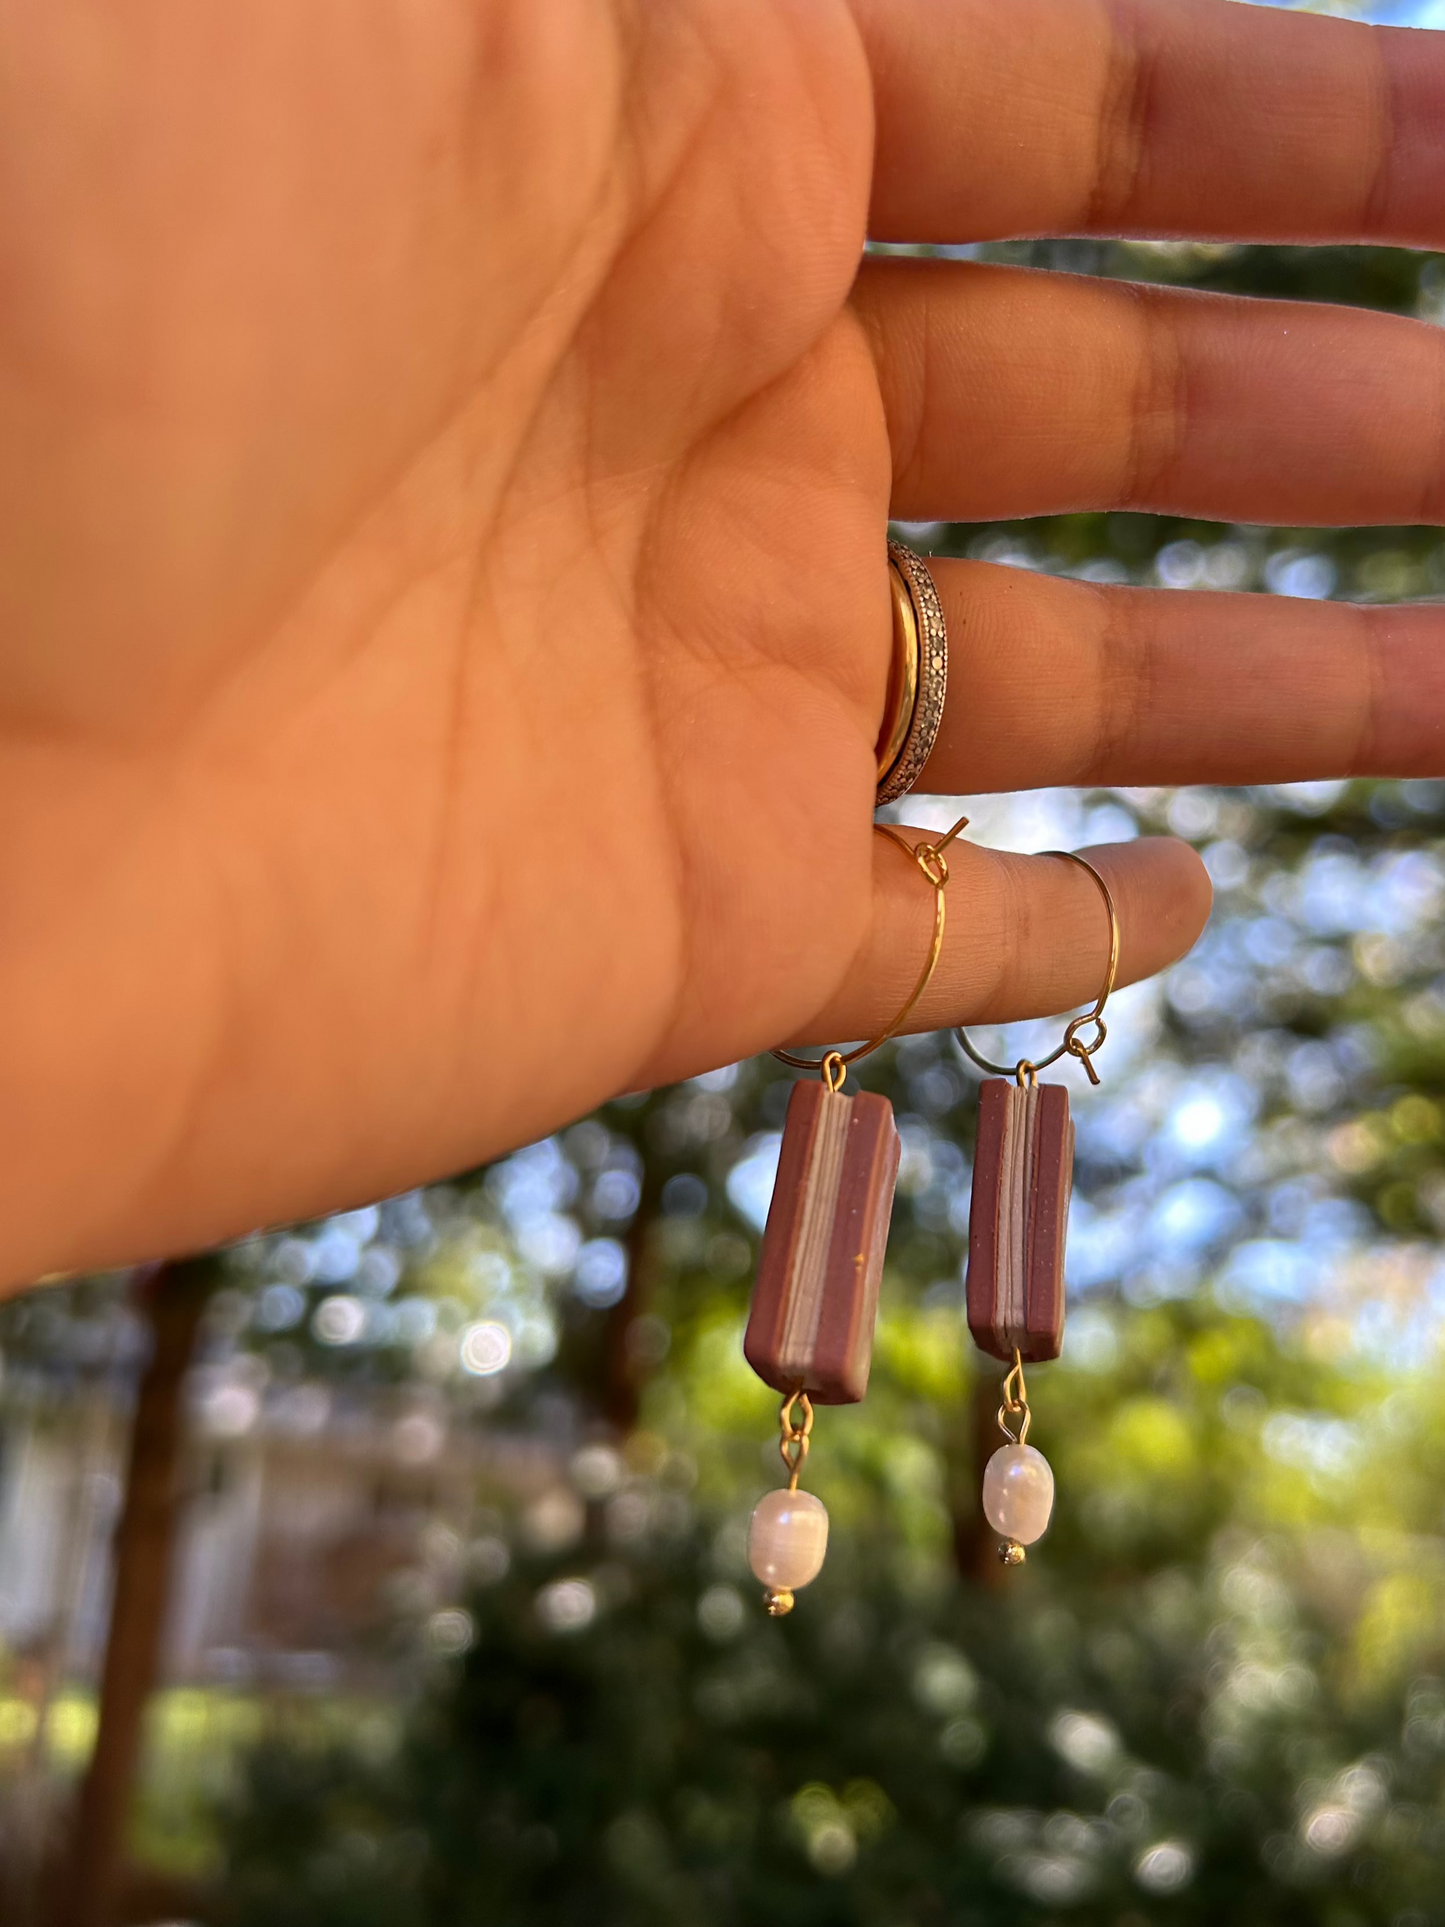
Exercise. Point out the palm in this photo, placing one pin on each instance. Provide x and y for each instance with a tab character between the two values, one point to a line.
353	791
457	699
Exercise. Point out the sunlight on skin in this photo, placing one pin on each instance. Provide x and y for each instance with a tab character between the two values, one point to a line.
445	477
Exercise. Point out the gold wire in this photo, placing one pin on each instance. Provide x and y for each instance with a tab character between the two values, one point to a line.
1015	1403
1027	1071
903	675
796	1437
930	859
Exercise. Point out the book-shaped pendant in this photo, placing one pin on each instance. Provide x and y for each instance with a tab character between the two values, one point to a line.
811	1325
1023	1172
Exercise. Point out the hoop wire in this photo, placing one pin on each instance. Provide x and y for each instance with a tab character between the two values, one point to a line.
1026	1070
832	1066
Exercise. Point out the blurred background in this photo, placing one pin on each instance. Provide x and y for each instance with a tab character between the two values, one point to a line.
391	1568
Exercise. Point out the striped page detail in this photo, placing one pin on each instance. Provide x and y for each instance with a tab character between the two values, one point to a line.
1022	1179
814	1304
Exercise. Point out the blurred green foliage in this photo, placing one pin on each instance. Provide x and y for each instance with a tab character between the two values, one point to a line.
1213	1689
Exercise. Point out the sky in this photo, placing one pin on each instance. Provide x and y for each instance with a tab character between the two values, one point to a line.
1390	13
1407	13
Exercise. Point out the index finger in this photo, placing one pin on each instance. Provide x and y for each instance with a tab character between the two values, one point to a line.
1197	118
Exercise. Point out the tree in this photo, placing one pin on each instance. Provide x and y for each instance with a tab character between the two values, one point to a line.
172	1298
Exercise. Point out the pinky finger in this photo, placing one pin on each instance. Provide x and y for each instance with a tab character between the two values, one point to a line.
1026	936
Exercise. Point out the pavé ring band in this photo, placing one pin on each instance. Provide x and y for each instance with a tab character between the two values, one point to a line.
918	676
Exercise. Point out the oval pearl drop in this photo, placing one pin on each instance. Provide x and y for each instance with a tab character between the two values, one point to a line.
1018	1493
787	1537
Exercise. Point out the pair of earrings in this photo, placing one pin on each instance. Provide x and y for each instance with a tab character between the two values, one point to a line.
810	1331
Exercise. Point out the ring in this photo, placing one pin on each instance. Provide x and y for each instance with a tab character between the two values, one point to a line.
918	678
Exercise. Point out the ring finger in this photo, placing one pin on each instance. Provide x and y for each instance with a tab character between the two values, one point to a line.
1068	682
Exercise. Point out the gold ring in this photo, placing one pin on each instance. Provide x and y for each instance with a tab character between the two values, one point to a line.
918	675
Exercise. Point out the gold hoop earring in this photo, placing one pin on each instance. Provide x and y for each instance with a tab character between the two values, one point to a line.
1017	1228
810	1329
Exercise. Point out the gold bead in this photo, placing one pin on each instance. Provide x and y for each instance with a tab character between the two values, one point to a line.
778	1603
1011	1553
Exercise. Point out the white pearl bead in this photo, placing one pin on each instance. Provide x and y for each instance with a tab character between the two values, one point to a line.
1018	1493
787	1538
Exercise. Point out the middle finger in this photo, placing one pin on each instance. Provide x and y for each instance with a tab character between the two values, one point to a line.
1011	392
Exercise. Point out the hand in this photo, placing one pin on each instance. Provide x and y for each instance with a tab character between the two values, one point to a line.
446	456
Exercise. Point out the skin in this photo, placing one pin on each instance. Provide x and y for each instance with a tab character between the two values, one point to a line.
445	451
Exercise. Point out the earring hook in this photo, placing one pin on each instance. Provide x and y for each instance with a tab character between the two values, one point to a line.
1026	1070
929	857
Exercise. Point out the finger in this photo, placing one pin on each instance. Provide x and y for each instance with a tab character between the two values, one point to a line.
1167	117
1067	682
1026	935
1010	392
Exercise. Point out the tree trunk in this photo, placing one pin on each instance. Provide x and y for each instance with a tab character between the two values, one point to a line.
173	1298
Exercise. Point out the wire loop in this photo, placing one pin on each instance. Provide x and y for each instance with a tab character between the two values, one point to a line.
929	857
796	1435
1015	1403
1026	1070
1085	1052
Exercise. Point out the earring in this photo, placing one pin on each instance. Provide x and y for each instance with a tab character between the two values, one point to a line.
1018	1220
810	1330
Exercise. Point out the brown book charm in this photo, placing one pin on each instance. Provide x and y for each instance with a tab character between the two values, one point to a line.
811	1327
1023	1172
1022	1176
810	1332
